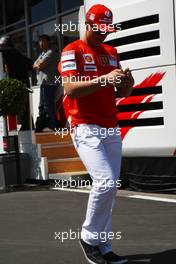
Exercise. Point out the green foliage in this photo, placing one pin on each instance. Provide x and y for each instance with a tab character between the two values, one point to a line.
13	96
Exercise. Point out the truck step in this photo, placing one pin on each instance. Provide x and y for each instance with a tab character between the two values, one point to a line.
52	137
59	151
65	165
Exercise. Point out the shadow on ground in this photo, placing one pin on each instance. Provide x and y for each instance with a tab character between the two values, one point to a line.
165	257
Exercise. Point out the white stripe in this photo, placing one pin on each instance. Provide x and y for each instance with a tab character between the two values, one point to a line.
153	198
146	98
70	190
135	114
119	100
65	96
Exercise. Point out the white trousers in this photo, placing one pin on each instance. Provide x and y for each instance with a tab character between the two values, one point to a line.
100	151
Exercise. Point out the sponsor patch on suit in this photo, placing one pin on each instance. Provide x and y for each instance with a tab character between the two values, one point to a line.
88	59
90	68
68	55
69	65
113	61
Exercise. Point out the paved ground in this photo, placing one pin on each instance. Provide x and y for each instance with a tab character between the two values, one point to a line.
29	220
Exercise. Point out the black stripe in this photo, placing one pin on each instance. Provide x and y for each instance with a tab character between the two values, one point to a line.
144	91
137	22
140	107
147	90
134	38
156	121
141	53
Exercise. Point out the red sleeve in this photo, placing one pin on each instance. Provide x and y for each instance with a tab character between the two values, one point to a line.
69	64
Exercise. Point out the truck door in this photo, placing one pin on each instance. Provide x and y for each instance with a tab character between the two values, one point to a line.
146	44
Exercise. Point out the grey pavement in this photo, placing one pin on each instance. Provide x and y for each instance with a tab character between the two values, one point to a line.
31	220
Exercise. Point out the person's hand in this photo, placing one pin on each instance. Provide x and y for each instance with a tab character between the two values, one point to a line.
115	77
125	87
35	65
39	65
129	78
